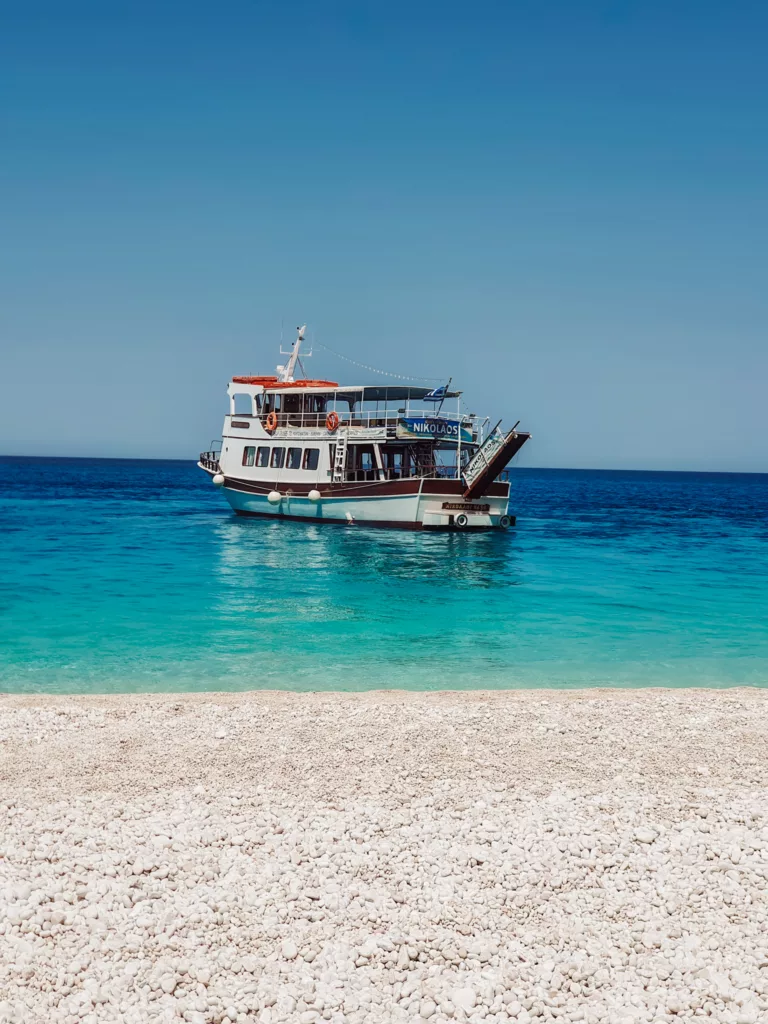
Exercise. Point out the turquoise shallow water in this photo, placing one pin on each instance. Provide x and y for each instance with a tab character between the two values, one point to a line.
120	575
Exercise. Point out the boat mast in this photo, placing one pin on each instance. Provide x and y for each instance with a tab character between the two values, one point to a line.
285	373
458	446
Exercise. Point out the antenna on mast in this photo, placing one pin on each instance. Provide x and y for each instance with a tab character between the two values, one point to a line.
285	373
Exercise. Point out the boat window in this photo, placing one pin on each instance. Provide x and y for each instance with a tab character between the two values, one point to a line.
294	458
272	403
393	462
292	403
243	405
348	397
262	457
259	400
311	458
278	457
248	454
361	463
316	403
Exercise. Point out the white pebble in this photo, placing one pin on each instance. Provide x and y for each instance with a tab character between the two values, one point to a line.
645	835
464	998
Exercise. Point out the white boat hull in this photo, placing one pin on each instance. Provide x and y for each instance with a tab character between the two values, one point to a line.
418	508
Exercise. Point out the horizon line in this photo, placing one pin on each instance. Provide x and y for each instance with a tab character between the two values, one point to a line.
554	469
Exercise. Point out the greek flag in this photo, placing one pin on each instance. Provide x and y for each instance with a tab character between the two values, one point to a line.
436	394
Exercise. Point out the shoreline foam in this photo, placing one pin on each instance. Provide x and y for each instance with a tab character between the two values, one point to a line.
384	856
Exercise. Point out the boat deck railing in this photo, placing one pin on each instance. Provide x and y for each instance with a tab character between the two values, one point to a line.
387	421
210	460
404	473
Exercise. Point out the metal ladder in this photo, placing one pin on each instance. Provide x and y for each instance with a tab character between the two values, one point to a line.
340	458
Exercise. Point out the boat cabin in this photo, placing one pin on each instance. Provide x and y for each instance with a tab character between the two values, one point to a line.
387	432
306	404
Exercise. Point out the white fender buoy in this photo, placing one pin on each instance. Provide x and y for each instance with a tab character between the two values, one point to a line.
274	497
314	495
218	480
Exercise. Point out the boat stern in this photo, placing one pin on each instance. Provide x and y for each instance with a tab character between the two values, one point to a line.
465	515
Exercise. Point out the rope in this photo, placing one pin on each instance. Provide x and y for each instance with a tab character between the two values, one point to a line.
372	369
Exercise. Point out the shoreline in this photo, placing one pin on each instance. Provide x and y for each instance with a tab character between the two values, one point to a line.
522	731
495	856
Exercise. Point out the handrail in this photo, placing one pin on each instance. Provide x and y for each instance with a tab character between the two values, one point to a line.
210	460
365	419
430	472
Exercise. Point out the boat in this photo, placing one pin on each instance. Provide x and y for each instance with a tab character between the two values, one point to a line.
393	455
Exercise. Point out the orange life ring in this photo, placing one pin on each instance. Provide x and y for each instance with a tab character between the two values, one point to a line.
271	423
332	421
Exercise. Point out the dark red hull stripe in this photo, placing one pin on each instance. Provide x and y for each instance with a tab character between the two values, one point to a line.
361	490
372	489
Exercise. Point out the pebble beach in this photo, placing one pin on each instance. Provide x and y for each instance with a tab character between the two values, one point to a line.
385	856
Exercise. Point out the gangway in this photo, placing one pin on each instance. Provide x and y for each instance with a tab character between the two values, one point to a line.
489	460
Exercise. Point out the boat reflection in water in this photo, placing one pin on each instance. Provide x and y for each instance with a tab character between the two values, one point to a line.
310	608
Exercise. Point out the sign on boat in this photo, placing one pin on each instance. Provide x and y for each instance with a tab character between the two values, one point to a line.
438	427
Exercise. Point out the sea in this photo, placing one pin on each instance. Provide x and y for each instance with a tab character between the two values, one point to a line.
120	575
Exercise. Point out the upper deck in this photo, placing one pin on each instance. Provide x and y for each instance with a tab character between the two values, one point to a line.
395	411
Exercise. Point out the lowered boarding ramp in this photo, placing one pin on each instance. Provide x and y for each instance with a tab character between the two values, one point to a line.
490	459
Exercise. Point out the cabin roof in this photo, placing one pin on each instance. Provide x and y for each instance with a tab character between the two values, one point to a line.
397	392
370	393
272	383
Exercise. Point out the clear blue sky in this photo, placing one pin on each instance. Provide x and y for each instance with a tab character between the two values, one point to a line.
563	205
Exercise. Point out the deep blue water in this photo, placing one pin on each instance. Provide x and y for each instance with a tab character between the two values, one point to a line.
123	575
